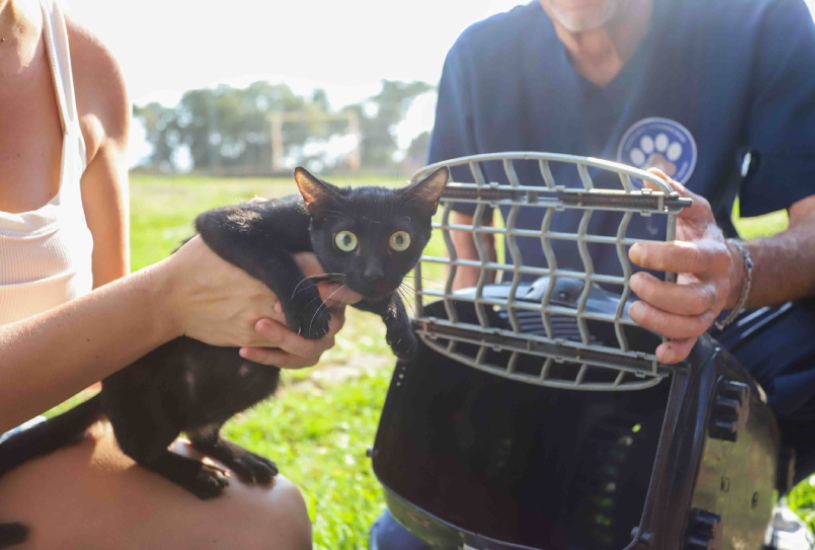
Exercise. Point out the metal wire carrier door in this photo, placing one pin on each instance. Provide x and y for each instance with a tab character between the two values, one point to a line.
579	344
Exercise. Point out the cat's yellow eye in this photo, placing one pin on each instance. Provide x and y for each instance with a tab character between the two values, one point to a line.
346	241
400	241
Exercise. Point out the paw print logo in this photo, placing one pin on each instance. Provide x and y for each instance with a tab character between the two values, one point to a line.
657	152
659	143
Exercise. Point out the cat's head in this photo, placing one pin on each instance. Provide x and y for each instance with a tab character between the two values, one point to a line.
372	235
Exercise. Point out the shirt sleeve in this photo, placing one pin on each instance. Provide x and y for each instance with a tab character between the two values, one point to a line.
781	127
453	134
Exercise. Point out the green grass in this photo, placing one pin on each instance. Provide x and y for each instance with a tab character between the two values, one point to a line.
316	429
319	436
760	226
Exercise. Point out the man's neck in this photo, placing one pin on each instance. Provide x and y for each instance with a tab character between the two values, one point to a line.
600	54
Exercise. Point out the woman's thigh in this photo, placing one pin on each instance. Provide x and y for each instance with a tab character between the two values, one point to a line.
92	496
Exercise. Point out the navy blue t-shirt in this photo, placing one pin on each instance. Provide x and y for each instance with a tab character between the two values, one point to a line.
711	80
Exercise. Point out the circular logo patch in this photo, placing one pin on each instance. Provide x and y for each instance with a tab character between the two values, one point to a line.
659	143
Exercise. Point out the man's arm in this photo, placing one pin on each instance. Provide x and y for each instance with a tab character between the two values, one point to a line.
711	273
783	265
452	138
464	243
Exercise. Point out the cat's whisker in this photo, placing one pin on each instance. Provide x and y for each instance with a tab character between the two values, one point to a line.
407	293
330	275
408	289
324	304
406	301
330	281
425	280
406	297
312	301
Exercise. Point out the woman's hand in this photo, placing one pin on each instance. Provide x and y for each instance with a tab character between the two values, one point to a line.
208	299
292	350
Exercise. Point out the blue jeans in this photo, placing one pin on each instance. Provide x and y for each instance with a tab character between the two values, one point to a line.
388	534
777	345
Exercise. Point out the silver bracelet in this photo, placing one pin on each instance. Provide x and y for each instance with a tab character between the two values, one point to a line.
745	289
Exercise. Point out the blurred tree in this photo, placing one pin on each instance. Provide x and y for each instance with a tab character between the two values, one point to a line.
228	128
379	129
159	123
320	98
417	150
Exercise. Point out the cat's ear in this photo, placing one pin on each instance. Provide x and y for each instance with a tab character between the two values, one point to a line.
317	193
425	194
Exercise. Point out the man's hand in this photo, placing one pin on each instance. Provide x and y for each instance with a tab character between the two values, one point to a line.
291	350
710	273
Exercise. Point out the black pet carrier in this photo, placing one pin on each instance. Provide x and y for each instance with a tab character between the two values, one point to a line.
536	414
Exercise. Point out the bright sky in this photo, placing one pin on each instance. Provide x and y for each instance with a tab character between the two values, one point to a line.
179	44
168	46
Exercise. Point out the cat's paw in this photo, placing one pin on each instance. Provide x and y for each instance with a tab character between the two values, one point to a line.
314	321
319	325
307	315
254	468
403	342
209	482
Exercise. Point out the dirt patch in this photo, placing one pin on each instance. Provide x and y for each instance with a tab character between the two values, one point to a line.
332	373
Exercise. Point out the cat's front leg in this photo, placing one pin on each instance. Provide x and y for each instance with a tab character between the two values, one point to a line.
234	234
144	430
249	466
306	313
400	335
203	480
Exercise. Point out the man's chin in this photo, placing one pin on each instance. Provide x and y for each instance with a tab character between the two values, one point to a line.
581	20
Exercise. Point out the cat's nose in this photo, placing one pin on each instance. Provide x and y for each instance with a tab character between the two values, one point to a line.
373	273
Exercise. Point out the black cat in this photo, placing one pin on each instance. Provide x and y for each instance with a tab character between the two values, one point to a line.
367	238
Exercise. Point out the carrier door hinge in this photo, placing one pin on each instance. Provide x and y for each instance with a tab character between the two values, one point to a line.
704	531
731	409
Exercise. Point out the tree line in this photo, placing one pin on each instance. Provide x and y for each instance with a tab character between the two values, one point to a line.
228	129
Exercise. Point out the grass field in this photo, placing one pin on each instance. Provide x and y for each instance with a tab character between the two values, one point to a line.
319	426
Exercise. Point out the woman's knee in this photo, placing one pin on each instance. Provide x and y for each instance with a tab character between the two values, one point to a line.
98	497
274	517
271	516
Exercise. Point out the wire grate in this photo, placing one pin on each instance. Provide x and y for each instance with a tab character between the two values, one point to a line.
529	331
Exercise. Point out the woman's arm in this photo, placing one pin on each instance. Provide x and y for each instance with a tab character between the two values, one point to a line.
105	114
48	358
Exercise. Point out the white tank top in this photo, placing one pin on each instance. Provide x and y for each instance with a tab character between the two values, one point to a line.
45	254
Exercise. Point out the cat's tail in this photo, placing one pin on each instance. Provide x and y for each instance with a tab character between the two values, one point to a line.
50	435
